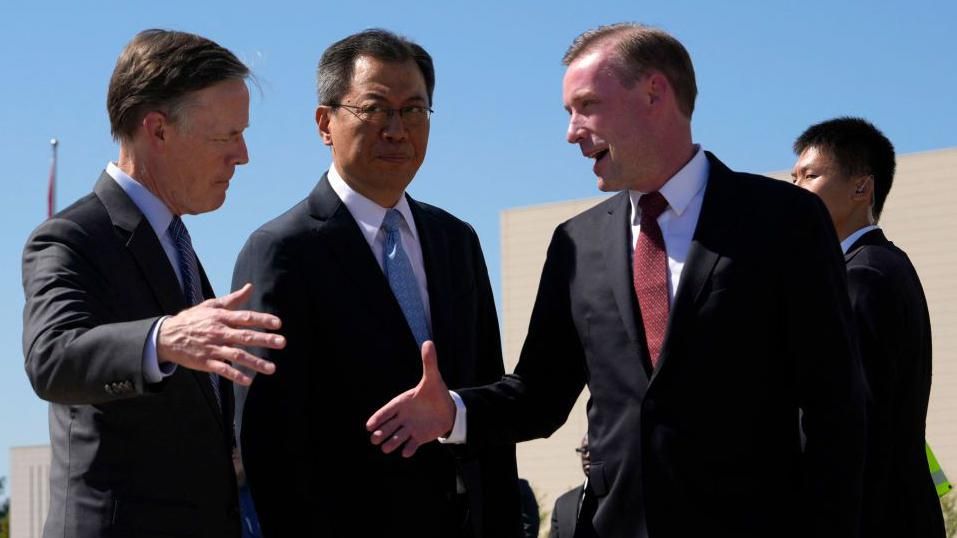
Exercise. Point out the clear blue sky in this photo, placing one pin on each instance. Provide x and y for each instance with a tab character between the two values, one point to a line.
766	70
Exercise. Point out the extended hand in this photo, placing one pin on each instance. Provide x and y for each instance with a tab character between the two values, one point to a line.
209	336
418	415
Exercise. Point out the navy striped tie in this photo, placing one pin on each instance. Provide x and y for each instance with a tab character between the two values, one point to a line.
189	270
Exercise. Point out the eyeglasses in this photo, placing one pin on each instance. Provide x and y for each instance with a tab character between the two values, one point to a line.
581	450
412	115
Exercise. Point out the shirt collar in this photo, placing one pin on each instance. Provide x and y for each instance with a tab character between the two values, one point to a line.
367	213
682	187
155	211
847	243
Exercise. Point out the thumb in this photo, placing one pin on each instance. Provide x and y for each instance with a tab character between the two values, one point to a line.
234	299
430	364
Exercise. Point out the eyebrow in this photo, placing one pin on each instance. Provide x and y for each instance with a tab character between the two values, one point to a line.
381	97
580	95
232	132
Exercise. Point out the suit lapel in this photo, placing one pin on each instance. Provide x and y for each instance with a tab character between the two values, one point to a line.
616	239
716	223
144	246
873	237
142	243
435	251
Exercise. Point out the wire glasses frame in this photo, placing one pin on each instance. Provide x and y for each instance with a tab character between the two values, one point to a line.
411	116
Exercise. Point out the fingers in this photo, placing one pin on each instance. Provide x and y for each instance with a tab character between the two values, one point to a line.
240	337
387	430
410	447
244	358
385	413
234	299
220	358
395	440
249	318
430	362
223	358
225	370
392	436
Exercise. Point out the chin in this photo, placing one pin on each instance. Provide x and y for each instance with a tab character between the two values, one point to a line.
211	205
399	178
606	186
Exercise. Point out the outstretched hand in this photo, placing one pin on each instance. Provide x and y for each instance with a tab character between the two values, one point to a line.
418	415
210	337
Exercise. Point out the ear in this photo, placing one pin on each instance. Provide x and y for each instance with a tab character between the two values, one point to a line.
156	127
863	189
323	117
656	85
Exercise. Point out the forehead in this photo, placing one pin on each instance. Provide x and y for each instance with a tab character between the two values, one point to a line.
223	105
592	72
815	157
372	77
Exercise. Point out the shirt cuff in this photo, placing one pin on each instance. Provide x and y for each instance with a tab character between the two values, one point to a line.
457	437
153	371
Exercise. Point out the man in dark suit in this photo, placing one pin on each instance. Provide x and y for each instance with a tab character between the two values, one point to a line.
850	164
140	414
369	282
568	504
701	350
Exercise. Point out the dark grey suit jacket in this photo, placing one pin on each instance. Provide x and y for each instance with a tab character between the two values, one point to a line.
565	513
759	329
894	332
307	454
129	459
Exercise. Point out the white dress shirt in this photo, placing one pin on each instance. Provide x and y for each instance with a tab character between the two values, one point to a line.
848	242
369	216
684	192
159	216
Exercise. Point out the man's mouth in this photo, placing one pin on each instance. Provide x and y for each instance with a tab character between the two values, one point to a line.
394	157
598	155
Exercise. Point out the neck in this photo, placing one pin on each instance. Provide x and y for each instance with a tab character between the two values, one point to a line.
848	227
675	149
138	168
677	160
382	196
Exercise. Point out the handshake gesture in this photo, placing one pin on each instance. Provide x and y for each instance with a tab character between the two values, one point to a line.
417	416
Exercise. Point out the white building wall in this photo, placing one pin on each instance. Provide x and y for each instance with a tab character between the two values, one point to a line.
29	490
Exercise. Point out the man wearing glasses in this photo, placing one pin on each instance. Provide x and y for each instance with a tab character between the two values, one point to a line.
369	283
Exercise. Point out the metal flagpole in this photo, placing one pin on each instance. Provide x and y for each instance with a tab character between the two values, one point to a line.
51	187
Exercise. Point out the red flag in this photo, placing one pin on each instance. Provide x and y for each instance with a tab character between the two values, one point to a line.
51	187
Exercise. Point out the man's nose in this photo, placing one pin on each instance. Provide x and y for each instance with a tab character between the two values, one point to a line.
575	130
394	129
242	152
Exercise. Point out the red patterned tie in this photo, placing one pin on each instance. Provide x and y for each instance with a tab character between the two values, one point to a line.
651	273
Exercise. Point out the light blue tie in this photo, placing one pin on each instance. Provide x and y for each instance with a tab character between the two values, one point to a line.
189	270
398	271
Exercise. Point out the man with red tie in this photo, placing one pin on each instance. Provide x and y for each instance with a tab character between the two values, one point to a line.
705	309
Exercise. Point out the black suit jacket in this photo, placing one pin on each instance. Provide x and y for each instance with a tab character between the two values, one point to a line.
129	459
894	333
759	329
565	513
307	454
